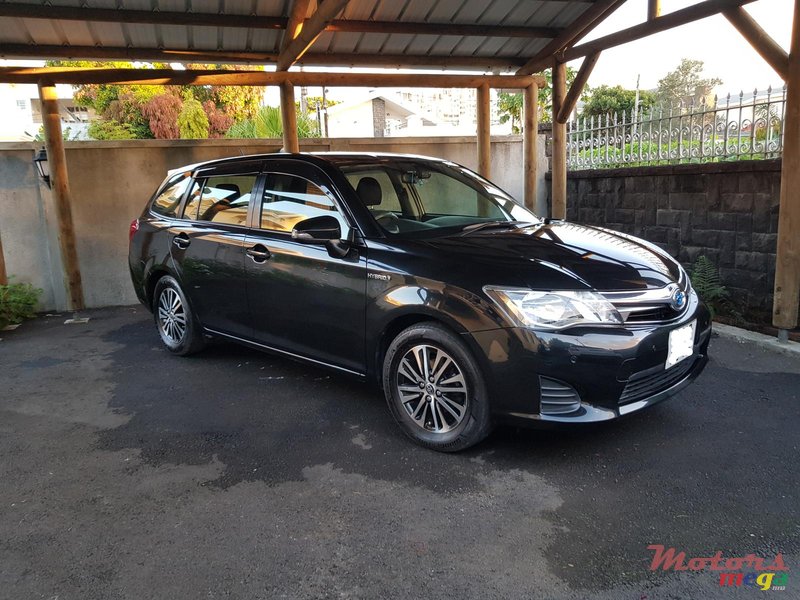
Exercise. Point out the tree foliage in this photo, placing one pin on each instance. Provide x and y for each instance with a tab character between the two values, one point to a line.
144	111
312	102
162	114
509	105
193	121
685	84
110	130
218	121
605	100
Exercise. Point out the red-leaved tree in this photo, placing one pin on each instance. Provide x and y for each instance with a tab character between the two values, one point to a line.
218	121
162	114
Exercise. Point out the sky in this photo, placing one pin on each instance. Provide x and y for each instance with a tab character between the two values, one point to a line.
714	41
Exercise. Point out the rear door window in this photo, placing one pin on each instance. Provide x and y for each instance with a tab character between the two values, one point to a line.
221	199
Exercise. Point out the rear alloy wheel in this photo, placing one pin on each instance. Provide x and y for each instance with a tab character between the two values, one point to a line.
435	390
176	324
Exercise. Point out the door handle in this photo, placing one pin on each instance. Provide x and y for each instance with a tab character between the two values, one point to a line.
258	253
182	241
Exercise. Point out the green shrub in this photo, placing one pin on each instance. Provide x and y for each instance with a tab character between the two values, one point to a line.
193	121
17	302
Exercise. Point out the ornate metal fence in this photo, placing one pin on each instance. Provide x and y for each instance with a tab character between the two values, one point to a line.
746	127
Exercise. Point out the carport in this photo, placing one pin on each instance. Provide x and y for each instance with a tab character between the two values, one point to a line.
503	44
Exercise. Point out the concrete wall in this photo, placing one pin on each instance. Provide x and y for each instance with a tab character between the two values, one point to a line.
725	211
111	182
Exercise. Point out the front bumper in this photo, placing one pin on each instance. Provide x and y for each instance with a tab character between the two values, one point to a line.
615	370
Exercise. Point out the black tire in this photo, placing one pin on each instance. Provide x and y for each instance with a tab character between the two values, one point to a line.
191	339
428	340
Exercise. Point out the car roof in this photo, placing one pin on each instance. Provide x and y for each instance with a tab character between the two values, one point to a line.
334	158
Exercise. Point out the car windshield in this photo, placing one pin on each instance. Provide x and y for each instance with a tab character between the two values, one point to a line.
418	198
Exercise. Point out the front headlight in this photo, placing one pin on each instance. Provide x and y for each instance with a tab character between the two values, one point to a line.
553	309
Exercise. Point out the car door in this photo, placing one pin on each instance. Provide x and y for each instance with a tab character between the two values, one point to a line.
304	299
208	246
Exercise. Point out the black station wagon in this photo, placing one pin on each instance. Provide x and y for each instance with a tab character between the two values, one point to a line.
419	274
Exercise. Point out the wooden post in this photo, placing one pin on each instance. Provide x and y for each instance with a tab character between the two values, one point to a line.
3	273
59	181
289	119
530	136
484	132
653	9
558	209
787	263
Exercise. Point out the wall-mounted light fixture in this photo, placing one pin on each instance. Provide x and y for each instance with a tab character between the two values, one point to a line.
40	160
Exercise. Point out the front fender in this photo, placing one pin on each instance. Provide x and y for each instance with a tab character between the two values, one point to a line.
395	304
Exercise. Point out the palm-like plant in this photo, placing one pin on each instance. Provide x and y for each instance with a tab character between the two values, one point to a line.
267	124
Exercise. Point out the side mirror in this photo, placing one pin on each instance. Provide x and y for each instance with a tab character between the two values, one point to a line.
317	229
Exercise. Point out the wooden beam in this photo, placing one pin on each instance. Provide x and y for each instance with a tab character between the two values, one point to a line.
3	272
653	9
297	17
484	131
289	119
590	18
78	76
326	12
702	10
427	28
29	51
530	138
558	209
577	87
775	56
252	21
145	17
59	182
787	262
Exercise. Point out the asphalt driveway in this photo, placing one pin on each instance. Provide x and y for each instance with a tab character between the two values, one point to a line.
126	472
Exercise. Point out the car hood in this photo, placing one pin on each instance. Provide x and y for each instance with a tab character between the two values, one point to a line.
562	255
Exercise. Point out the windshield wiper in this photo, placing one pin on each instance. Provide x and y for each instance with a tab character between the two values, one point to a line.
491	225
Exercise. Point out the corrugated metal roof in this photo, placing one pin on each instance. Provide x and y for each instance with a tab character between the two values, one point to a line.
60	36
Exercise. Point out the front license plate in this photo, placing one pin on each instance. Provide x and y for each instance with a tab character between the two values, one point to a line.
681	344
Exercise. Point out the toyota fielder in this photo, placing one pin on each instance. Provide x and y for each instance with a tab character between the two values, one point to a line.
415	272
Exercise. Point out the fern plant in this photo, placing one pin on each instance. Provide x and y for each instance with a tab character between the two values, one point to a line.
705	281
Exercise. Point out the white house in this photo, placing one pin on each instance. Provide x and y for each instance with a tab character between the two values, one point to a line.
21	115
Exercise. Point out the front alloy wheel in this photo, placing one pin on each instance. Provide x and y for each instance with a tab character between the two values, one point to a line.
435	389
432	388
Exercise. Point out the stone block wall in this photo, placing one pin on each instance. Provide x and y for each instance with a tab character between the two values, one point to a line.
725	211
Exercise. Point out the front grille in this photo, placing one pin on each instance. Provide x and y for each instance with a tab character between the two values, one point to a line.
649	314
557	398
649	305
645	386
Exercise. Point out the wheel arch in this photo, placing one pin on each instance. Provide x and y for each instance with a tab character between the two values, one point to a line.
404	320
152	279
